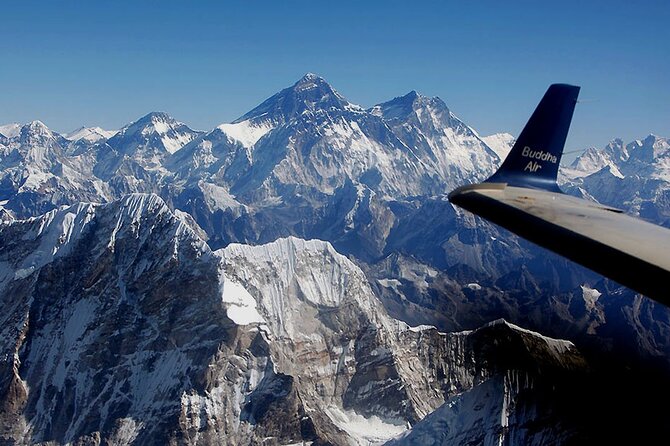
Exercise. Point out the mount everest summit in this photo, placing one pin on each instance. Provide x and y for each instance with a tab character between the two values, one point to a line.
259	282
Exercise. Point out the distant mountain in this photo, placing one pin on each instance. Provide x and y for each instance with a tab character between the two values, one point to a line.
10	130
500	143
634	176
37	174
438	138
311	93
308	136
133	159
90	134
154	131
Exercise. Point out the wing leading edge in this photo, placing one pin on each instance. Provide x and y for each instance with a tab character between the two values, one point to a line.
523	197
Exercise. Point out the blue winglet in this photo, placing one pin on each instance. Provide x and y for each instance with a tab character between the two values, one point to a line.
534	159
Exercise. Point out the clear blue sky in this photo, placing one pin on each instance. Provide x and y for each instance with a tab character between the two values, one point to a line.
107	63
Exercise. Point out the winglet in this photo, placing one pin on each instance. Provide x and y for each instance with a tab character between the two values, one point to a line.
534	159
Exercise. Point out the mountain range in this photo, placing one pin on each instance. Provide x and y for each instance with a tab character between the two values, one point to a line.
299	275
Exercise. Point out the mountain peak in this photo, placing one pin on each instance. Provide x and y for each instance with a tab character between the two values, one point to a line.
156	116
35	129
500	143
311	81
89	134
37	125
649	149
310	93
172	134
148	123
402	107
412	96
310	77
650	138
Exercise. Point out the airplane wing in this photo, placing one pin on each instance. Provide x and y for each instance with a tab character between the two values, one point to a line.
523	197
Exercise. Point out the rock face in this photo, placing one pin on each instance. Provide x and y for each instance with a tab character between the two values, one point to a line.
122	326
106	322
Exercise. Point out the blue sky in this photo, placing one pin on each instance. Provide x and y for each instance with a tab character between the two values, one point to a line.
108	63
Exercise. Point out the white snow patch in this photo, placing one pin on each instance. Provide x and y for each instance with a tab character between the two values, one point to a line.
474	286
389	283
246	132
614	170
34	178
56	230
167	129
365	431
590	296
420	328
500	143
218	197
242	305
90	134
127	430
176	143
10	130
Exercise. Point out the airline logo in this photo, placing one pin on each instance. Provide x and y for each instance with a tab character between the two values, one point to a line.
539	155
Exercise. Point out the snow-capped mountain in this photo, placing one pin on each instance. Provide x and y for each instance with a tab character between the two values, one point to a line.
305	138
84	138
309	137
37	174
500	143
634	177
90	134
593	160
120	324
310	94
152	137
36	146
646	157
334	164
307	162
133	159
437	138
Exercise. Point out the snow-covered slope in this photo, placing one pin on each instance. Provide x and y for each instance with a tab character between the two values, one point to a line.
501	143
90	134
437	138
152	135
10	130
